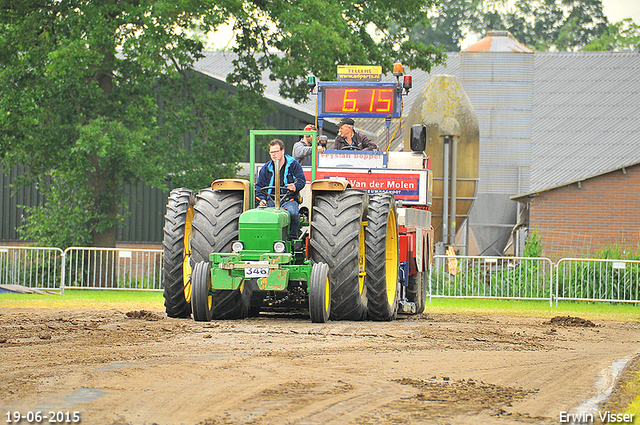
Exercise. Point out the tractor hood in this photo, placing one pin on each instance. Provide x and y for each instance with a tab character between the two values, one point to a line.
260	227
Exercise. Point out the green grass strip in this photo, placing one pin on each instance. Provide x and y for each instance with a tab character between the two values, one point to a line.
623	312
74	298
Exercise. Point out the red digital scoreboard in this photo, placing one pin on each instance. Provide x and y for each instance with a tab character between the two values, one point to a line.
358	100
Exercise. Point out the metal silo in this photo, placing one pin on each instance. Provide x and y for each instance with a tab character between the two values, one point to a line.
497	75
445	109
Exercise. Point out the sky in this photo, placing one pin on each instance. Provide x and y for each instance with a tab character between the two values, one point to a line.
616	10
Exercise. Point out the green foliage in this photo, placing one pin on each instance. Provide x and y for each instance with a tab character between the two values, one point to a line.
616	252
599	280
61	221
99	94
447	24
612	274
563	25
33	268
533	246
605	279
500	277
210	147
296	39
621	36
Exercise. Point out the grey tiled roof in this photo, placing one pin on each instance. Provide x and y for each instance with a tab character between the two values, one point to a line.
586	115
218	64
586	111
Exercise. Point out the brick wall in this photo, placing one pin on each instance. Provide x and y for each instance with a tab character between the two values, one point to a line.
581	219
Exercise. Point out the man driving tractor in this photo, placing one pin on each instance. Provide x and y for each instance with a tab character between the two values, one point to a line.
291	177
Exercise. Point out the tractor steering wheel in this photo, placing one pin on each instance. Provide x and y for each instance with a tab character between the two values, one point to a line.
265	191
351	148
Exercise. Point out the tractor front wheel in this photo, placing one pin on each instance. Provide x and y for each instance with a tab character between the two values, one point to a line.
201	299
337	239
319	293
417	290
215	227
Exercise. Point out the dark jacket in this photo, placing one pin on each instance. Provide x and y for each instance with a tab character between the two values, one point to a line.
362	141
292	174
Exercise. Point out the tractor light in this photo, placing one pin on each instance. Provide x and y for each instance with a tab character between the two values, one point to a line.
311	82
279	247
237	246
407	83
397	69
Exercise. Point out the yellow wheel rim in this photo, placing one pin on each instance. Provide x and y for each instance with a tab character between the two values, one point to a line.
209	297
391	258
361	258
186	265
327	294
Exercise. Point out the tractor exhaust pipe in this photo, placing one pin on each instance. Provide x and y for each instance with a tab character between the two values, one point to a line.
276	176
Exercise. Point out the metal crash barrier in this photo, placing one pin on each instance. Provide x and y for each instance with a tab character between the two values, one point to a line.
112	268
450	276
33	267
491	277
598	280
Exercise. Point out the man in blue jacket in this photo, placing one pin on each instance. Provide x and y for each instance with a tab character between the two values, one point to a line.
291	177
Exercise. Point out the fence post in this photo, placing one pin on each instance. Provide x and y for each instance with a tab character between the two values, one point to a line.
430	280
553	276
64	271
557	281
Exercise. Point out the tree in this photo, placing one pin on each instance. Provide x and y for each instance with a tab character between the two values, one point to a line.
623	35
300	38
98	93
563	25
448	24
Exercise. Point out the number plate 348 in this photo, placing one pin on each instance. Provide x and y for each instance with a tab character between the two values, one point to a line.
256	271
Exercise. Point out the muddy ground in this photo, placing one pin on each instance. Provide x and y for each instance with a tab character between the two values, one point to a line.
139	367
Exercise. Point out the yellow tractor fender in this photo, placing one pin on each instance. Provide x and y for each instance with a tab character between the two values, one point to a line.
234	184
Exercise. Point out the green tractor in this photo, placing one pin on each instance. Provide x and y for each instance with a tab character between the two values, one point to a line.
225	259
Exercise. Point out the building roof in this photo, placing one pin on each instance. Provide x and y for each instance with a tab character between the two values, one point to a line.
523	196
586	111
586	115
498	41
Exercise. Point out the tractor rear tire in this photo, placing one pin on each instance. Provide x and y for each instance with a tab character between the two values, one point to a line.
381	240
201	299
215	222
319	293
215	227
177	232
417	291
337	239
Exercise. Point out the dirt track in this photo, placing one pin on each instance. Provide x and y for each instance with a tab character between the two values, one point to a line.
277	369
